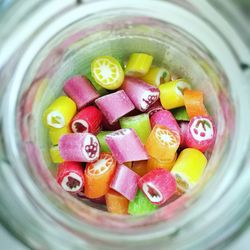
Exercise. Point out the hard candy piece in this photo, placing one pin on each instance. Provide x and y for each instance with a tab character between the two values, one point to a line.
201	133
80	90
140	93
114	106
102	91
55	154
158	185
139	167
125	182
156	163
56	133
79	147
140	123
180	114
189	168
70	176
155	108
184	127
126	146
103	144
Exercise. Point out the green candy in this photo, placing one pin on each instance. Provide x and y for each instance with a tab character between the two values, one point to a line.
101	138
140	123
141	205
98	88
180	114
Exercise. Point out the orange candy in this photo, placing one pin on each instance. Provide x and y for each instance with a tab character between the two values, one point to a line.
139	167
98	175
116	203
155	163
162	143
193	100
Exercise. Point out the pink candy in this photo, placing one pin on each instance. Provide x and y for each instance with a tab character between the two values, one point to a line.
115	105
158	185
82	147
141	94
201	133
80	90
155	108
125	182
126	146
183	126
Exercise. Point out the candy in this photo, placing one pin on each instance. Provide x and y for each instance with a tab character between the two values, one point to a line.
107	72
98	175
140	93
158	185
126	146
116	203
59	113
56	133
55	155
115	105
140	123
180	114
184	127
125	182
166	119
70	176
171	93
189	168
80	90
79	147
101	138
102	91
139	167
193	100
87	120
154	108
201	133
138	64
141	205
162	143
156	76
156	163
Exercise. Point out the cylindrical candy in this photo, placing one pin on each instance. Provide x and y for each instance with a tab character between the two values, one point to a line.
138	64
193	100
98	176
158	185
139	167
180	114
184	127
157	76
56	133
79	147
115	105
189	168
201	133
126	146
70	176
80	90
156	163
140	93
155	108
140	123
59	113
87	120
102	91
55	155
171	93
125	182
102	141
166	119
162	143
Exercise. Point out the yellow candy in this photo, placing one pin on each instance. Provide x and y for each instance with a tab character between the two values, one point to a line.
55	155
156	76
59	113
138	64
107	72
188	168
56	133
171	93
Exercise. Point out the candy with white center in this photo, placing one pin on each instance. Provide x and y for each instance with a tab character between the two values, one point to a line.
126	146
155	108
201	133
79	147
140	93
80	90
59	113
115	105
70	176
158	185
87	120
125	182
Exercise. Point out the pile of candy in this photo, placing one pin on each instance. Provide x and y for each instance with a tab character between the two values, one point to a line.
132	139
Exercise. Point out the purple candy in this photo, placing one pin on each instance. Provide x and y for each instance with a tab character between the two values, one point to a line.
141	93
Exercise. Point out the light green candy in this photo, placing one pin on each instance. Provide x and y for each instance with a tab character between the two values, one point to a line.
141	205
98	88
101	138
180	114
140	123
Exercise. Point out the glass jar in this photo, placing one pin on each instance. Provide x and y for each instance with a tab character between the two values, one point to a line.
45	43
